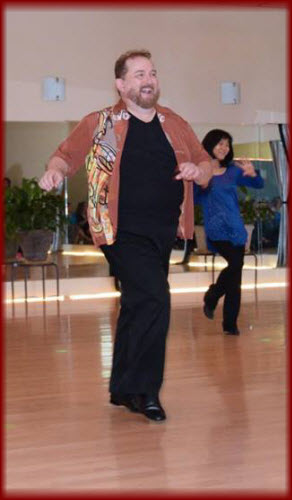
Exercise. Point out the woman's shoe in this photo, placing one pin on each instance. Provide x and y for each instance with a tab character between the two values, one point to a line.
208	311
209	302
230	330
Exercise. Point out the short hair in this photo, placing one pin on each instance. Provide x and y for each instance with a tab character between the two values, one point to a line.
121	63
212	138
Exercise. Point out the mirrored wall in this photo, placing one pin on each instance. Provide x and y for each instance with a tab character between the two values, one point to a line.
30	144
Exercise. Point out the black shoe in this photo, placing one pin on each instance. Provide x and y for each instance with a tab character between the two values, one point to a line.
128	400
210	298
231	331
150	407
208	311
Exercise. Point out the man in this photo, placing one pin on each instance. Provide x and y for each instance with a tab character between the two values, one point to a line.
141	168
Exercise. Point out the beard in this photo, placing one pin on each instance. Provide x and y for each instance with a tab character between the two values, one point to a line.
144	101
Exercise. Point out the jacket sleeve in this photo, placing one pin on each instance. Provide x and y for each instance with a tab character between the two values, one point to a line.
70	154
199	157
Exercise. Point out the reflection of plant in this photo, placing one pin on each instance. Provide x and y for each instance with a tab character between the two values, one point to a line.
11	213
28	207
198	215
251	210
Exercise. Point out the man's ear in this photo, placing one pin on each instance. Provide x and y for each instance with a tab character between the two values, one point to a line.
120	84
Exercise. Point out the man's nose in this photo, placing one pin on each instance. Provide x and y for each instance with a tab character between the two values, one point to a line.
150	79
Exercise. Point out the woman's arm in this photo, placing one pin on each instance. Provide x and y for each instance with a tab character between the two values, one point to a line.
248	176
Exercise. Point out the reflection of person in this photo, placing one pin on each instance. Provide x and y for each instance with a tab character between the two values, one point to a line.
223	223
78	228
83	233
141	155
72	216
7	182
72	224
271	226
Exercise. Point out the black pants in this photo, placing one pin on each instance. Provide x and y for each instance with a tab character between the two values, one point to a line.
228	282
141	264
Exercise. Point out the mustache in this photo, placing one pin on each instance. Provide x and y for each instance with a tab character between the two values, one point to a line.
145	87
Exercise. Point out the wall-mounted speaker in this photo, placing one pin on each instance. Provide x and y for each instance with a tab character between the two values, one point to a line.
230	93
53	88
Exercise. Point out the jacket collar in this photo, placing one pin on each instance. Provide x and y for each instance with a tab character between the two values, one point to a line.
120	111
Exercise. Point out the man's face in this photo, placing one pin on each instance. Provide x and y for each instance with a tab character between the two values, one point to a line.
140	84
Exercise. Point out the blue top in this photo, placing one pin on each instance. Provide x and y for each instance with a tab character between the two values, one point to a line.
219	201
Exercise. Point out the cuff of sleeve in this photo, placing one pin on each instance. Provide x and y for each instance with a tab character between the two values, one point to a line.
57	163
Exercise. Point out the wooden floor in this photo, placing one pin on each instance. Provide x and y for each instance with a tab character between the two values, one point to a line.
225	399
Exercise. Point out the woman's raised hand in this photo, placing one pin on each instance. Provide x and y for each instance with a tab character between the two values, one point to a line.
247	167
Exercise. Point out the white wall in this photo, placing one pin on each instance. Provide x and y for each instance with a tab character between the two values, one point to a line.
29	145
193	49
28	148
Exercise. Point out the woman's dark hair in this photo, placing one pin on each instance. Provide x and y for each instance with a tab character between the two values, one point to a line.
212	138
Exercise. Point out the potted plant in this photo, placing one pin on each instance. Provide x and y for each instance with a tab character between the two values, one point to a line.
252	211
10	223
36	214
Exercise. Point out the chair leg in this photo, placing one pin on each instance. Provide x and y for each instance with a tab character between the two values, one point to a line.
57	277
256	270
187	252
44	281
256	277
213	268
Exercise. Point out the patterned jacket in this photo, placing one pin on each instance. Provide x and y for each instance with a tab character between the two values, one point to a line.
98	141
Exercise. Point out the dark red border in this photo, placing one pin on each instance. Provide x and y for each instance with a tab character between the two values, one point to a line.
172	495
148	3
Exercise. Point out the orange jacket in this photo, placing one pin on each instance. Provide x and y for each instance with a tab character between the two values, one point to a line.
98	141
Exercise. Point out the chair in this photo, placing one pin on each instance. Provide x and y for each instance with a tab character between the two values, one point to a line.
27	266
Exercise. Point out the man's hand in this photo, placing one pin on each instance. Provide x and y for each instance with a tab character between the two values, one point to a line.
55	173
188	172
51	179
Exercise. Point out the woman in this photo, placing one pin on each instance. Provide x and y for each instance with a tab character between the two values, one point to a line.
224	227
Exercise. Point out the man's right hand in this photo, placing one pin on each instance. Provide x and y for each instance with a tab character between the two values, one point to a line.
51	179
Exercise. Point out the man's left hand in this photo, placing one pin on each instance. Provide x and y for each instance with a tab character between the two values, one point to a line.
188	171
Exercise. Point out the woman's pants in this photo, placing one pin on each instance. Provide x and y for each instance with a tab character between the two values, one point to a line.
141	265
228	282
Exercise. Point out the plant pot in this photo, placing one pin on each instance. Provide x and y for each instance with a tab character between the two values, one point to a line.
35	244
11	247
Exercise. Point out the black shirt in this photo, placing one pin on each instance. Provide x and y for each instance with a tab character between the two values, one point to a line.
150	197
